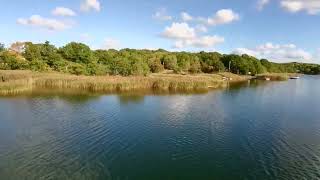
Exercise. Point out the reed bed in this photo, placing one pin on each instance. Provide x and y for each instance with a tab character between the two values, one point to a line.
275	76
21	81
15	82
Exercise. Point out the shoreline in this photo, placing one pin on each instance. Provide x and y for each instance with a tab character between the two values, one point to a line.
15	82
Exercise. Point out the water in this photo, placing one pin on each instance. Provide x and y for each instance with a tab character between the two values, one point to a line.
250	131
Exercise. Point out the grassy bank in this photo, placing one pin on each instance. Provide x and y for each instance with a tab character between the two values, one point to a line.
13	82
276	76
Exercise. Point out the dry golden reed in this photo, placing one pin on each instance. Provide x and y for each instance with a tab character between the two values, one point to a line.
12	82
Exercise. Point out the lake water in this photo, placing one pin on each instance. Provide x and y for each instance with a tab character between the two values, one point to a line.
266	130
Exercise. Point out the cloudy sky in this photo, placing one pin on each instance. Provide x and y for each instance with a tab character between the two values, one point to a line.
281	30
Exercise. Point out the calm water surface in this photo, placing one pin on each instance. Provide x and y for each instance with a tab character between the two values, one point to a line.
253	131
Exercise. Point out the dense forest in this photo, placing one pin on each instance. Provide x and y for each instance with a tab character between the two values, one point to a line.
79	59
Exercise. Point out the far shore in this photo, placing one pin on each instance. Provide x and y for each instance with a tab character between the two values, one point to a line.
18	81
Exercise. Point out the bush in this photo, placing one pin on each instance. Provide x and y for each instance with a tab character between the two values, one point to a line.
38	65
77	69
77	52
97	69
139	67
12	61
155	65
238	65
195	66
78	58
169	62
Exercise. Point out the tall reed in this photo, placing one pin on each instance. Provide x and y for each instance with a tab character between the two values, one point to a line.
20	81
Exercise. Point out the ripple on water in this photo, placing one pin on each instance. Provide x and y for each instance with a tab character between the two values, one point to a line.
249	133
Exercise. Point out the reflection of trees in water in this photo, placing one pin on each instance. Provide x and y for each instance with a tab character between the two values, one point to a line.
130	98
78	98
68	95
236	86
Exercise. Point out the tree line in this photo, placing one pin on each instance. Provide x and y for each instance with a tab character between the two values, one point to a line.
79	59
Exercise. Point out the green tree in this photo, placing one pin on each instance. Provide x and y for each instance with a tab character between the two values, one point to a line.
77	52
183	60
155	65
32	52
11	61
48	51
238	65
95	68
169	62
211	62
139	67
120	66
195	66
254	65
77	69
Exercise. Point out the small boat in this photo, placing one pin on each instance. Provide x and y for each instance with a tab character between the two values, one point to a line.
295	77
267	78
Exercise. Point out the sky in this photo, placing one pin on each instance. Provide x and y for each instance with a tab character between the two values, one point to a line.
279	30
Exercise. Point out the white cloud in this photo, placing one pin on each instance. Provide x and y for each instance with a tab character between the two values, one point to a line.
276	52
161	15
185	36
262	3
186	17
88	5
62	11
310	6
250	52
223	16
110	43
200	42
46	23
201	28
179	31
208	41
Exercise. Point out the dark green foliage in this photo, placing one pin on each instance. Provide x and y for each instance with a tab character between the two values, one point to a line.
183	60
94	68
139	67
79	59
105	57
238	65
169	62
255	66
77	52
77	69
311	69
32	52
155	65
56	62
211	62
38	65
120	66
195	66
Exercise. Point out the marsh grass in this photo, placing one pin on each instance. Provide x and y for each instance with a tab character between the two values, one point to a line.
275	76
21	81
14	82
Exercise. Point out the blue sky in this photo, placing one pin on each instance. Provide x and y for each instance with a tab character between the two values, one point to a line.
281	30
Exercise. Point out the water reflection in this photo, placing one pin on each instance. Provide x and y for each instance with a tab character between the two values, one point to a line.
256	130
129	98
